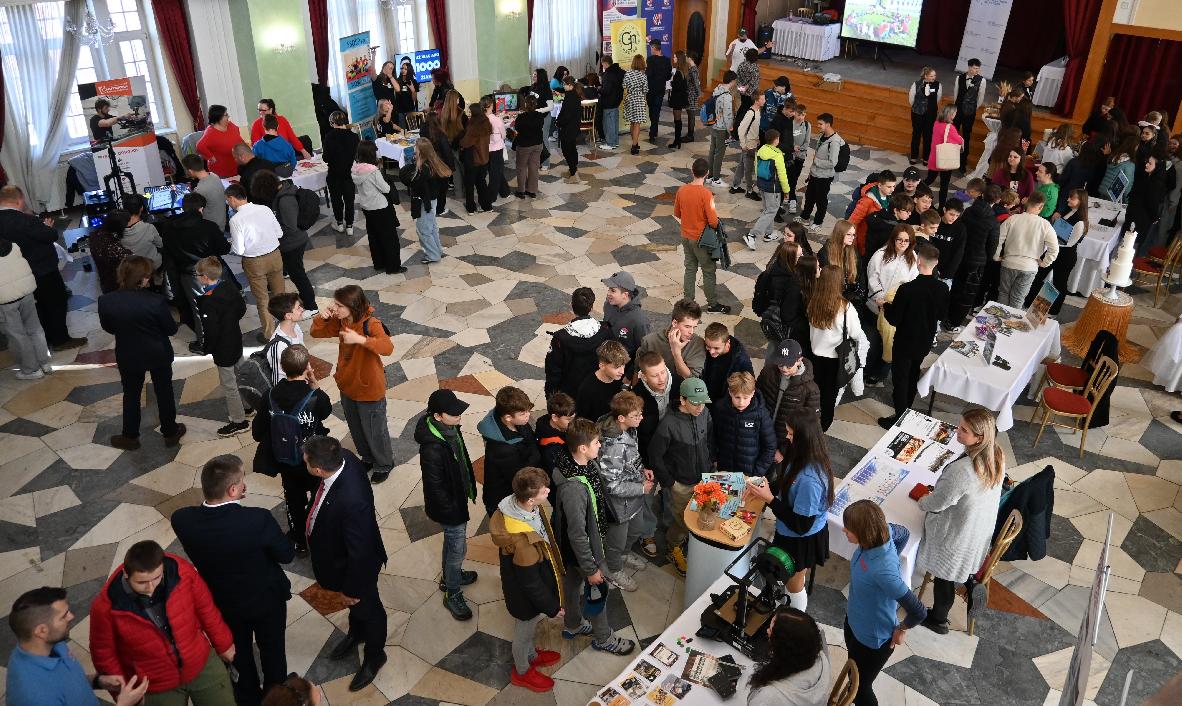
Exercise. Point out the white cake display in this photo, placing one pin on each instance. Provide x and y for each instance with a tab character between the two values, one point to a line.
1122	262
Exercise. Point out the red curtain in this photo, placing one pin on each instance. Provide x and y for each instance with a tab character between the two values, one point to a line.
529	19
318	14
174	34
437	14
1035	35
747	19
1133	75
1080	17
941	28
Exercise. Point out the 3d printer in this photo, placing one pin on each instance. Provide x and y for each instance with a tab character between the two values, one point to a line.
739	615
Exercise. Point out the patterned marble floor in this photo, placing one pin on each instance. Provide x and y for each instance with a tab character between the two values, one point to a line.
70	505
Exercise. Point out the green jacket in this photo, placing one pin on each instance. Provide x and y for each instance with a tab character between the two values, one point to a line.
779	181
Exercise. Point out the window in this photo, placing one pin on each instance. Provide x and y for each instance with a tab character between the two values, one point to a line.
406	29
49	18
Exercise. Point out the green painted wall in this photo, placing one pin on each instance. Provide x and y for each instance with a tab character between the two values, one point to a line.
260	25
503	50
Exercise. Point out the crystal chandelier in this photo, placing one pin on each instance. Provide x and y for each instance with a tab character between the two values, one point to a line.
391	4
91	33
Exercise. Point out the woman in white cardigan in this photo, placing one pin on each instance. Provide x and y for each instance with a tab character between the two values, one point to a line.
961	515
831	319
889	266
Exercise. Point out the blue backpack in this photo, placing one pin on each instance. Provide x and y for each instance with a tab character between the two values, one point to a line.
764	169
287	443
707	115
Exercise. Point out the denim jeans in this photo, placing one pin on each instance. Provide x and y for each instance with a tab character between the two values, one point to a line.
428	230
26	338
455	546
611	126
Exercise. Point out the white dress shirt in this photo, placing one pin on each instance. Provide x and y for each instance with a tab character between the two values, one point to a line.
315	509
254	231
224	502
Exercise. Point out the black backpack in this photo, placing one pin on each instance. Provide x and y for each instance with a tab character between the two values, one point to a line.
759	300
309	206
843	158
287	442
253	374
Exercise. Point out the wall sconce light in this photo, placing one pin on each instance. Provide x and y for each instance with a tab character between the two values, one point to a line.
282	40
284	48
510	8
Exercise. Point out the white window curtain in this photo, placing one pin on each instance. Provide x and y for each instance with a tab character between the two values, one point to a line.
38	80
346	17
565	33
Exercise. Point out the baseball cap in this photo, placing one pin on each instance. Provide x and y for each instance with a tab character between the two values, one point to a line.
621	279
911	173
786	352
743	31
445	402
694	390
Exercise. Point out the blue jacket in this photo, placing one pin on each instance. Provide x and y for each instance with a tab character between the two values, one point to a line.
745	441
876	591
717	370
276	149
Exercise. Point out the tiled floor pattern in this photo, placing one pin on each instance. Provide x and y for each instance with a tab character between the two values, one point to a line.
478	321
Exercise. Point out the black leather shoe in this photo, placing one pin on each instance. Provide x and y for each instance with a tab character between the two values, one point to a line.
887	422
938	628
365	675
345	648
379	477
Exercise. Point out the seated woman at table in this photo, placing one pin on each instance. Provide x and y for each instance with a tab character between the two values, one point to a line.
961	513
1075	213
385	122
797	671
801	500
877	590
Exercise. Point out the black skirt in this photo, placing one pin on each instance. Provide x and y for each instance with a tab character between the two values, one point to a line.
806	552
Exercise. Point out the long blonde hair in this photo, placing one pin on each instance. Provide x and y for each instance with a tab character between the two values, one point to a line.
988	457
425	154
842	256
826	301
451	117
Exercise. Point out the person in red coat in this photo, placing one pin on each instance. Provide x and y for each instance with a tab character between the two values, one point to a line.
155	618
217	143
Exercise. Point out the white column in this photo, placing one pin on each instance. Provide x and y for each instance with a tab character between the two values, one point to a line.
461	49
218	76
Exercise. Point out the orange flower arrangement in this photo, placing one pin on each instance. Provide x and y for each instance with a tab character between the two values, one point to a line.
709	496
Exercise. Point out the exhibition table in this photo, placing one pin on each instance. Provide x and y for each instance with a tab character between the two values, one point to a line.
912	451
806	40
710	551
972	379
398	150
1050	80
1094	250
311	174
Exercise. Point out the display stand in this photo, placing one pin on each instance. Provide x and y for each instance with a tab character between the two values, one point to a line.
712	551
1103	313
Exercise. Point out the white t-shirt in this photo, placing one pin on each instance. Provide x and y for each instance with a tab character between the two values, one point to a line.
277	350
738	49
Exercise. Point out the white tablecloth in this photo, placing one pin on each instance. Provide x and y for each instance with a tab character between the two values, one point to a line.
1094	251
1050	80
1164	359
974	380
309	174
806	40
393	150
898	507
992	124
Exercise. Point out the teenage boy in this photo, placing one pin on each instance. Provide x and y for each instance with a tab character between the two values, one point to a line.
628	484
222	307
929	223
773	100
551	432
287	311
1025	243
772	180
970	96
724	114
820	179
656	387
594	398
683	350
949	240
580	515
679	453
910	182
787	385
725	356
297	395
693	207
273	148
745	436
572	357
749	137
509	444
917	306
981	233
210	186
658	70
802	134
880	224
875	197
449	484
1044	180
622	314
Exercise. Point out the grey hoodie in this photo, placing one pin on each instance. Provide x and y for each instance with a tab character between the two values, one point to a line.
509	508
724	109
143	239
825	156
627	323
621	468
807	688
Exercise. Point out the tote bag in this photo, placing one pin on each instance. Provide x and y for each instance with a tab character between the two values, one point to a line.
848	360
947	153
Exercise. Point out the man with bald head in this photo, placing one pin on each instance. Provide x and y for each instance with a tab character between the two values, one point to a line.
249	165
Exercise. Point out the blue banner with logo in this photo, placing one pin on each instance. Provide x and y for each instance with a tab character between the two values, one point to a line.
357	60
659	16
423	62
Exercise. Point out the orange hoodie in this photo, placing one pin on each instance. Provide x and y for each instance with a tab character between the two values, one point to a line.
360	374
866	205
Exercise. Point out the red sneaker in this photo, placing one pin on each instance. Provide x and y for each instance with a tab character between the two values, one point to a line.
545	658
532	680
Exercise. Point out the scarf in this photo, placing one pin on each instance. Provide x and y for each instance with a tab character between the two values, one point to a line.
571	470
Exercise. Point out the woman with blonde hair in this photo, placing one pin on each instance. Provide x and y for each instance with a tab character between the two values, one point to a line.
961	513
832	319
426	179
924	97
635	105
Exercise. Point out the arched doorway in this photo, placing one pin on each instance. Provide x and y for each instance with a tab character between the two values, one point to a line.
695	35
691	26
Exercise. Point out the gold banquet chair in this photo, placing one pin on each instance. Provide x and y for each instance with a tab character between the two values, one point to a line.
846	686
1076	407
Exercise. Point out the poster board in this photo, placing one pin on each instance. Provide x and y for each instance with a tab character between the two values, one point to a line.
424	62
983	34
658	18
132	135
357	60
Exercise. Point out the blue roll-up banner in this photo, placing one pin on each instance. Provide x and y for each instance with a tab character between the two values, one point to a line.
358	62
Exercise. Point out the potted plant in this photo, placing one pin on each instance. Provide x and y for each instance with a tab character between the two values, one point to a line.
710	498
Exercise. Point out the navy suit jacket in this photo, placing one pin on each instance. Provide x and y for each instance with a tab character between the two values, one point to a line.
345	544
142	324
238	551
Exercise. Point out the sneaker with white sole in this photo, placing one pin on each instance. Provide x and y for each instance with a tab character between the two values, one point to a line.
623	581
772	237
338	227
47	369
792	207
309	314
349	230
583	629
34	375
750	241
631	561
648	545
615	645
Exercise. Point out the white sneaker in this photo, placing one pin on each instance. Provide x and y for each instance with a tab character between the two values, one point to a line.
309	313
750	241
610	148
348	230
338	227
37	375
772	237
792	208
631	561
47	369
623	581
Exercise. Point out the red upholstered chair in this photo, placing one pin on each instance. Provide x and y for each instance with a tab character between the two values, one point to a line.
1078	408
1158	270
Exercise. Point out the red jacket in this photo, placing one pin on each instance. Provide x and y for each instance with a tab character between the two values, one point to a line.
866	205
124	641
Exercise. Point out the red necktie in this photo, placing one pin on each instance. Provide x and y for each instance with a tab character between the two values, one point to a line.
313	509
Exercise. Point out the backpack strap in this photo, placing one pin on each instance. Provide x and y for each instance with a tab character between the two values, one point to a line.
303	403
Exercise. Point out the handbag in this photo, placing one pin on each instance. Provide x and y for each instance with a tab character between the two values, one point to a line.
848	360
772	325
947	153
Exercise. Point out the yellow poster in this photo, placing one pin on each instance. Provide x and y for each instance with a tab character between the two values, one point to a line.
628	40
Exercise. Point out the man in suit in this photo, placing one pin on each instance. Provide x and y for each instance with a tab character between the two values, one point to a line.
238	551
36	238
346	549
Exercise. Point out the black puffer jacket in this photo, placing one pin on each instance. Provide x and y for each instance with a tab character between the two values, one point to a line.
611	92
746	441
981	234
189	238
221	310
506	451
572	355
801	396
681	449
448	481
784	290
